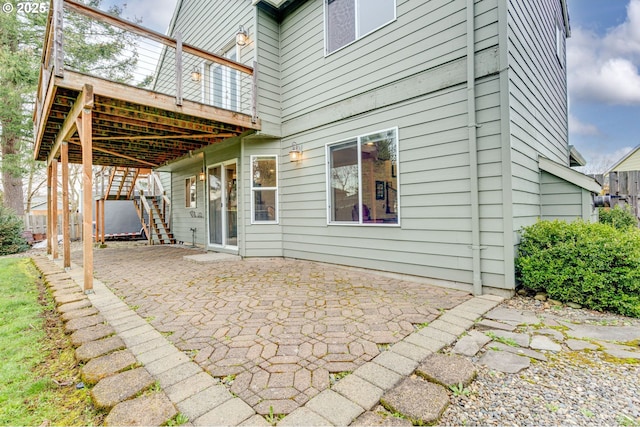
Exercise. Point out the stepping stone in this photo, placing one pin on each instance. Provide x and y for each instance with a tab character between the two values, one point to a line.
420	401
104	366
82	312
67	298
485	324
521	339
151	410
447	370
303	417
498	346
93	349
92	333
339	410
504	361
359	391
621	351
255	421
605	333
60	285
117	388
471	344
517	317
579	345
83	322
64	308
58	293
375	419
541	342
557	335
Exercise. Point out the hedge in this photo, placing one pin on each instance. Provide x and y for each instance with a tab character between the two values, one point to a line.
594	265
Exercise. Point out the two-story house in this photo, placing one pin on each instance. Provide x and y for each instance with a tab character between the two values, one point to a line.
410	137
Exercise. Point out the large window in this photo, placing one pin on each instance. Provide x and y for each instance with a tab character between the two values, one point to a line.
363	179
190	192
348	20
264	189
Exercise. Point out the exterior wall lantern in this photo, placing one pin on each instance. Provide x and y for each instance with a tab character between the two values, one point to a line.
201	175
241	36
196	76
295	154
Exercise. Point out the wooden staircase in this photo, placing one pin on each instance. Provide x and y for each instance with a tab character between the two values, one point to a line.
144	189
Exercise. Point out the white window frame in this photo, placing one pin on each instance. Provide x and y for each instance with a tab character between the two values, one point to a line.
255	189
358	139
227	81
189	201
357	27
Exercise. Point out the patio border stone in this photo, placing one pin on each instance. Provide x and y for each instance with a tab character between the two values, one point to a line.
201	398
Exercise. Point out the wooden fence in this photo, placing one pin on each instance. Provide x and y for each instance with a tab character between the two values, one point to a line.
623	187
37	224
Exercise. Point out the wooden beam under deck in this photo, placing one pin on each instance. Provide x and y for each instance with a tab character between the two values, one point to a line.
84	100
138	96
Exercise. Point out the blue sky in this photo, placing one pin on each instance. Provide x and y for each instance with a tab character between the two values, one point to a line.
603	61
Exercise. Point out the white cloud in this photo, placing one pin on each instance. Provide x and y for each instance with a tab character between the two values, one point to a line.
578	127
605	69
599	162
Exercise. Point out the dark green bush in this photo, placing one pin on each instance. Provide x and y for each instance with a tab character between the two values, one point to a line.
595	265
618	217
11	227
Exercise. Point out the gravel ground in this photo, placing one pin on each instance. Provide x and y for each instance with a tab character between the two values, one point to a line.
572	388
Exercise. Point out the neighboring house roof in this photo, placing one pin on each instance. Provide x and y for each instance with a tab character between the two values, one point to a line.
569	175
630	162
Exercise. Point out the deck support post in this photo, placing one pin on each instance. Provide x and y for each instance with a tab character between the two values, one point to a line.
49	215
66	227
178	68
54	209
83	125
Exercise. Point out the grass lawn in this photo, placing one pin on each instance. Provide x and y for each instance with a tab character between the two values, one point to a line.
38	372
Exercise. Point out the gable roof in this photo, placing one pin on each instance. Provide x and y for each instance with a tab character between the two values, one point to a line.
625	158
574	177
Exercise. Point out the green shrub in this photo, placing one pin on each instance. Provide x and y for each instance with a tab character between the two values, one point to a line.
595	265
618	217
11	227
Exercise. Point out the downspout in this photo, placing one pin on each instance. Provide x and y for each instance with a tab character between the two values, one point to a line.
473	151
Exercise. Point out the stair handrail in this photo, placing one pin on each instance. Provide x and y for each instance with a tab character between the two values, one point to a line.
147	208
166	201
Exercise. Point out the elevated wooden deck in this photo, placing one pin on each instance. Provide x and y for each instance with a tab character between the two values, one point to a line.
92	120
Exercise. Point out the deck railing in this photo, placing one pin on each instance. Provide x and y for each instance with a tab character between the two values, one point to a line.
140	57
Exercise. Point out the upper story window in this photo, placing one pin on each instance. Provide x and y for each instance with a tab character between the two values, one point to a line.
349	20
362	175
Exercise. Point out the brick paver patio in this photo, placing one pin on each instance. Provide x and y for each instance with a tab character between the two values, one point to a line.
276	332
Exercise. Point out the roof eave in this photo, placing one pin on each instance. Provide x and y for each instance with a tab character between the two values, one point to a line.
574	177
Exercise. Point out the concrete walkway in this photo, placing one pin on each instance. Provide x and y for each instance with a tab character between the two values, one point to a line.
316	344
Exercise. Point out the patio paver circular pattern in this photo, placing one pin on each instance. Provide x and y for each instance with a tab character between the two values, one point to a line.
275	331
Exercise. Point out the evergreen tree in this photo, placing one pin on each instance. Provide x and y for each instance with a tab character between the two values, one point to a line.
90	47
